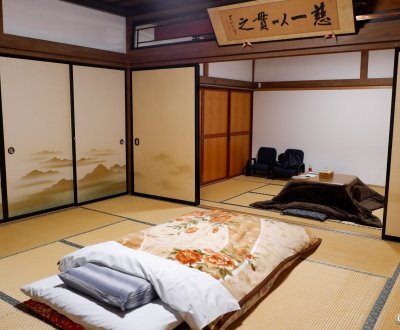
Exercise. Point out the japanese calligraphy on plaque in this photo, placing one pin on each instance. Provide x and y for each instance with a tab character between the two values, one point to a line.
274	20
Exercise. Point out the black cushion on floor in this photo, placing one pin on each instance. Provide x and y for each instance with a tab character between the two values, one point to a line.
306	214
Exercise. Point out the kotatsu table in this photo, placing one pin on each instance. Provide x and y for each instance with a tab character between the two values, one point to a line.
342	197
337	179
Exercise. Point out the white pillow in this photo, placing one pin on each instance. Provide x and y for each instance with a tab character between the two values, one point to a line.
198	297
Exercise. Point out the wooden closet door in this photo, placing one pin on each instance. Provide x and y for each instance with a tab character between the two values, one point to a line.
214	136
99	106
36	110
240	131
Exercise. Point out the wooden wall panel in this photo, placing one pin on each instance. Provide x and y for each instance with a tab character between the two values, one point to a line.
239	153
215	151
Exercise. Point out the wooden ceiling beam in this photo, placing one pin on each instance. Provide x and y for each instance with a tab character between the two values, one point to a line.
161	10
100	5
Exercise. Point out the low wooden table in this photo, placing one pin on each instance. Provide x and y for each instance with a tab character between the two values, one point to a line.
337	179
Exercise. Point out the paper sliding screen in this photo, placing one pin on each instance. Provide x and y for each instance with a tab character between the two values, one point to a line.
99	103
391	224
165	133
36	109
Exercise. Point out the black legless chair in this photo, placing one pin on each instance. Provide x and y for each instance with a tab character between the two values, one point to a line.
266	158
289	163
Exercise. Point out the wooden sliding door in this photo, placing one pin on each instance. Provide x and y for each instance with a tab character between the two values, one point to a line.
99	107
239	131
214	137
36	111
165	130
225	132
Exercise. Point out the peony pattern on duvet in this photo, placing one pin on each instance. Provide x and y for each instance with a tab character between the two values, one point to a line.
238	249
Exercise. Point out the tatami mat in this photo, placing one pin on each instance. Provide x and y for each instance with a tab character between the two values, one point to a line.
143	209
379	189
24	234
221	191
261	179
316	296
108	233
360	253
379	213
30	266
254	178
19	320
336	287
247	198
5	309
389	316
271	189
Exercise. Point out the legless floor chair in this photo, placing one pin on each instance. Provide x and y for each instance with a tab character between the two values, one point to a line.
266	158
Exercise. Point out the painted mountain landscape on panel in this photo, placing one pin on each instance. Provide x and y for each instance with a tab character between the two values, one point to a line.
100	174
50	183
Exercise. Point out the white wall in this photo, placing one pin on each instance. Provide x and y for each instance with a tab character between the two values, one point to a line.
237	70
64	22
381	63
345	130
312	67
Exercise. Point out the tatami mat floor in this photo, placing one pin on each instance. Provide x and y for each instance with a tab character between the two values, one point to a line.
350	282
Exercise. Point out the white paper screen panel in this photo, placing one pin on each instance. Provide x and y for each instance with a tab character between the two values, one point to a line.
164	129
201	69
345	130
311	67
237	70
99	104
36	112
381	63
59	21
392	225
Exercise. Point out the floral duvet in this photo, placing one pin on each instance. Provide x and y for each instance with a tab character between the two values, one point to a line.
246	253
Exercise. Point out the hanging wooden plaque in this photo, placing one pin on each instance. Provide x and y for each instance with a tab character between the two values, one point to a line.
265	20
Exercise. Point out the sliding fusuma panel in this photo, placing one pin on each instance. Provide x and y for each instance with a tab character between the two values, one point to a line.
165	120
36	109
391	225
99	112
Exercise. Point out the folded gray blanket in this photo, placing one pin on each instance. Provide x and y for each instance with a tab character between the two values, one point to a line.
109	285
